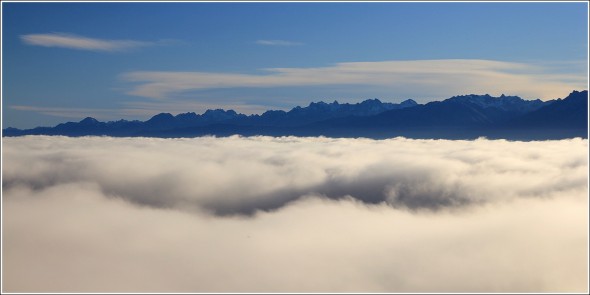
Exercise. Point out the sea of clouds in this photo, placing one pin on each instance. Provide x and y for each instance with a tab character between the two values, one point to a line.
289	214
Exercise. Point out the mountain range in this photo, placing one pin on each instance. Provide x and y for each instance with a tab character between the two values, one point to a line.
458	117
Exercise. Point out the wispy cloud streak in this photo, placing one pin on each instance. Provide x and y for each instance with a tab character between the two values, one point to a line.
278	43
423	78
76	113
136	109
71	41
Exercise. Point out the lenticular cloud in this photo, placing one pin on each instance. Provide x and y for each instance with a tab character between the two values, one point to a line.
264	214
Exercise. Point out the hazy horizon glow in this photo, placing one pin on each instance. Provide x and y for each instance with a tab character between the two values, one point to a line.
291	214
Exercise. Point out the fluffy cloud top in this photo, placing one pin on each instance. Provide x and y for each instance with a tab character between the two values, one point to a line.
294	215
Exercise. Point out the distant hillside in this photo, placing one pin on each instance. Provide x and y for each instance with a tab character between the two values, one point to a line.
570	112
165	122
472	116
459	117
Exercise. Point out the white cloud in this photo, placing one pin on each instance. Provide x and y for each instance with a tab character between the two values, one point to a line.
81	43
331	215
434	79
277	43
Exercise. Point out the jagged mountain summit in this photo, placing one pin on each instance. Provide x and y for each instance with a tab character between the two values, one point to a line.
503	102
318	111
458	117
165	121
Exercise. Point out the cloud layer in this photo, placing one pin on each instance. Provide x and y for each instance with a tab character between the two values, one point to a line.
415	78
294	215
81	43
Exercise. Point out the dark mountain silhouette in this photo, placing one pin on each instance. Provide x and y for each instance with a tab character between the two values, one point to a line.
469	110
459	117
168	122
570	112
320	111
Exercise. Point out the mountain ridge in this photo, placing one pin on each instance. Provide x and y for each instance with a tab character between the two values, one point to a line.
463	116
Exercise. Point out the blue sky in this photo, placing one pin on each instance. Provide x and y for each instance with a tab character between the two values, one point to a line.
65	61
